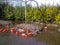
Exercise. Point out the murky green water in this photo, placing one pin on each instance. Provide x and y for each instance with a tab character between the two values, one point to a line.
13	39
52	38
49	38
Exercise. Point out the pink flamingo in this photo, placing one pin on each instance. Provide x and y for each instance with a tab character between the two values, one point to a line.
21	30
23	35
17	32
4	30
12	30
29	33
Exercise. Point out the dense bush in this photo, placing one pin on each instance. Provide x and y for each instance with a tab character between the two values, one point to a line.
47	14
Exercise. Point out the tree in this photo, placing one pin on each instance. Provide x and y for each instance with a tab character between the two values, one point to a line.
19	13
9	12
2	13
57	18
51	12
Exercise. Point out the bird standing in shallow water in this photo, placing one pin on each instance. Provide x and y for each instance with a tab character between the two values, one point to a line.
4	30
17	32
21	30
12	30
23	35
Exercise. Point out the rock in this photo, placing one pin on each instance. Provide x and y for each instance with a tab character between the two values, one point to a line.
5	23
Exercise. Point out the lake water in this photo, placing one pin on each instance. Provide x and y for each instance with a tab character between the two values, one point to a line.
13	39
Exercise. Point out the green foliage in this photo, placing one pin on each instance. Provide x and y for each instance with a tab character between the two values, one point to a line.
47	14
58	19
8	11
51	12
2	5
19	13
14	13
